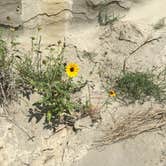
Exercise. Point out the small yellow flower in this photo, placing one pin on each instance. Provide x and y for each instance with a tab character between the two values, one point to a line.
112	93
72	69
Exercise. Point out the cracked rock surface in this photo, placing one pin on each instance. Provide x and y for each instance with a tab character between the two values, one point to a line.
10	13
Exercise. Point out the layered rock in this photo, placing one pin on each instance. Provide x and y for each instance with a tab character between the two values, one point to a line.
10	13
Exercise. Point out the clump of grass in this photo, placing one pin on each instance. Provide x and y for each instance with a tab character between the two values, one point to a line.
138	86
132	125
49	77
104	18
7	78
130	86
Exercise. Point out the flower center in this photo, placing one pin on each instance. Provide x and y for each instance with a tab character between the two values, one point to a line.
72	69
112	93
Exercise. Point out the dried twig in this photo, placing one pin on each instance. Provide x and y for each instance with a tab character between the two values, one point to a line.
144	43
139	47
3	93
124	39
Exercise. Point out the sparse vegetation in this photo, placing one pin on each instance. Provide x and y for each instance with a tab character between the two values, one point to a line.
25	73
134	86
52	79
132	125
104	18
130	87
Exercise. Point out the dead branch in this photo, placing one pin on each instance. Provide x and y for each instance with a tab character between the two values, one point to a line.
145	43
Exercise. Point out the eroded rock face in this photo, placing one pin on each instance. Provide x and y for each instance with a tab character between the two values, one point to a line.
22	12
48	16
54	18
10	13
99	3
28	16
43	12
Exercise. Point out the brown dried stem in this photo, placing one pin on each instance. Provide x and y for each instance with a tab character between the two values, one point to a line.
133	125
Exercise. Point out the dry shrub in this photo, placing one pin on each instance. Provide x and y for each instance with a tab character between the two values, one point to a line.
7	77
132	125
7	88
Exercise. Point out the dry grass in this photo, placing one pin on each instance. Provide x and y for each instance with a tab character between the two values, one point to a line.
133	125
7	87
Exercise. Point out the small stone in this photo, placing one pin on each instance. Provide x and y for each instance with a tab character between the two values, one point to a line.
83	123
126	4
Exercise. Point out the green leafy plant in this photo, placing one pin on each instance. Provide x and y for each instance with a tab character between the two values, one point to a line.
131	86
47	76
138	86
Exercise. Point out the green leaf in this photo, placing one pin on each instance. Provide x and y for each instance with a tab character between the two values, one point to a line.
49	116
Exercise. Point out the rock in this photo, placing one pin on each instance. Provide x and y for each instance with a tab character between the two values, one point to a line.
10	13
83	123
99	3
144	150
95	3
40	13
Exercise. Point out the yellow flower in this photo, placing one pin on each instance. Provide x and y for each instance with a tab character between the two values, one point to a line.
112	93
72	69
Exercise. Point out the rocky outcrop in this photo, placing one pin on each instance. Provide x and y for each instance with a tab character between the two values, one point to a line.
40	13
101	34
10	13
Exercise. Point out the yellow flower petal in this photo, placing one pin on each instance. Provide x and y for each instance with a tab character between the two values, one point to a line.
72	69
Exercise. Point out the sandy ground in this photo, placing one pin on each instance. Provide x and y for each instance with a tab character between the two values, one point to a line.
140	151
